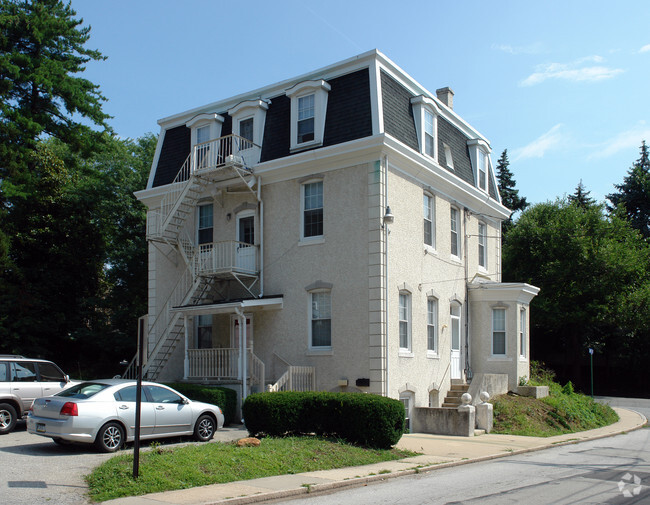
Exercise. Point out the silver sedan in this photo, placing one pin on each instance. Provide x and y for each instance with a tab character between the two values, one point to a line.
103	412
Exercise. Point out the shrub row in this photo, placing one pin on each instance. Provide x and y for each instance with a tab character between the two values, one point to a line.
363	419
225	398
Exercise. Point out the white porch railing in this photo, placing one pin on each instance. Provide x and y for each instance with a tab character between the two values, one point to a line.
226	256
296	378
223	364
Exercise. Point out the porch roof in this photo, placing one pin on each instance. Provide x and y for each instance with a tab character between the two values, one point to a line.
274	302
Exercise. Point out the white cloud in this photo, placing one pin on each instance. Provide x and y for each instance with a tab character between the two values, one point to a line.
645	49
534	48
575	72
550	140
625	140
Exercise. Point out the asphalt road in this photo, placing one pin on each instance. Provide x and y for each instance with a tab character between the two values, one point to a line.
34	470
613	470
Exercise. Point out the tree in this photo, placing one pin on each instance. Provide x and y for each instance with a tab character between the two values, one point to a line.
42	47
581	198
593	271
509	195
633	196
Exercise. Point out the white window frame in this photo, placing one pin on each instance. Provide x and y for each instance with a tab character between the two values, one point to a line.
320	89
423	105
429	219
449	160
312	313
405	321
482	246
407	400
199	326
213	121
454	323
455	232
432	326
303	210
199	208
479	153
523	335
497	330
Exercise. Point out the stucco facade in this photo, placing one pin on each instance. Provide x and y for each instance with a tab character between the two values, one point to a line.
360	252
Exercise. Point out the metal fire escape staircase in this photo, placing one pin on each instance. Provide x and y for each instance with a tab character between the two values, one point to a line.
207	164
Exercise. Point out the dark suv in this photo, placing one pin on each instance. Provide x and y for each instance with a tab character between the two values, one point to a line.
21	381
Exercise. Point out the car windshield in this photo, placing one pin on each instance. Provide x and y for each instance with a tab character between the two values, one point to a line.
83	390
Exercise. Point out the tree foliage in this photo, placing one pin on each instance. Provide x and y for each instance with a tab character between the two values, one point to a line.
593	273
633	196
42	48
580	197
509	195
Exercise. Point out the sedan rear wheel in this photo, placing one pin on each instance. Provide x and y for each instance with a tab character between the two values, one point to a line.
110	437
204	428
7	418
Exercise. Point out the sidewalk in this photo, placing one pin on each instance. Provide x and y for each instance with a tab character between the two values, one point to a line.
437	451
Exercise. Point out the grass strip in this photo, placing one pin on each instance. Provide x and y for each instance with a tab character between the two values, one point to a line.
165	469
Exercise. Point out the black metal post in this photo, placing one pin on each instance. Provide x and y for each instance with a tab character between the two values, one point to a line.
138	403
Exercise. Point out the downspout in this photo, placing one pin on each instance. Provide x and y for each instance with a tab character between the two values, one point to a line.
468	370
261	213
385	227
186	360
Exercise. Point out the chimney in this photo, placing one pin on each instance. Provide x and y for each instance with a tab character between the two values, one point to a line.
446	96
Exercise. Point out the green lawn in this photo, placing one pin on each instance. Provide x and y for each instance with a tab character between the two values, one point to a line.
163	469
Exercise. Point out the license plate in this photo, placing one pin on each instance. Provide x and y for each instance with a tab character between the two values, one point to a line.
40	427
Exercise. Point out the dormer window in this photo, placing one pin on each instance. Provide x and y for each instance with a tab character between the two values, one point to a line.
308	108
205	127
425	114
479	152
248	119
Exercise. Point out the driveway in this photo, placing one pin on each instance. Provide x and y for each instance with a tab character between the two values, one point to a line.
34	470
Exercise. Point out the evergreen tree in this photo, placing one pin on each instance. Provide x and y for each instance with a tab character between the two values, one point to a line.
581	198
633	196
509	195
42	48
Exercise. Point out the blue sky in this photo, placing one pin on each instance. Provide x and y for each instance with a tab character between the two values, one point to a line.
563	85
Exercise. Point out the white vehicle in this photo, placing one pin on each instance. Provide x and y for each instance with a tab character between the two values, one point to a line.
23	379
103	412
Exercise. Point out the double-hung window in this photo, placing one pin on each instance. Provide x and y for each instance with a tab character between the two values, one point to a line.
246	132
499	332
321	320
312	199
204	332
206	224
522	333
482	245
482	170
305	119
432	325
455	232
429	222
405	321
429	133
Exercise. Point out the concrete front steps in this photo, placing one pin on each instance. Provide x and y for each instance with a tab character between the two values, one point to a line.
452	400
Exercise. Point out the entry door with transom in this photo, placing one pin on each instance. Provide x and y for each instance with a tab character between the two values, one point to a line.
235	331
246	241
455	366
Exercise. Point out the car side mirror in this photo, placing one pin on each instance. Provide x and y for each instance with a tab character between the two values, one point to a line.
185	401
66	378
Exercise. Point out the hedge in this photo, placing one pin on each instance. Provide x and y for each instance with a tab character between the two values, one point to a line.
363	419
225	398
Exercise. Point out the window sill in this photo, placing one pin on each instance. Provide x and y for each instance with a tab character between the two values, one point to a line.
311	240
404	353
430	250
320	352
499	358
306	145
433	355
456	259
482	269
523	358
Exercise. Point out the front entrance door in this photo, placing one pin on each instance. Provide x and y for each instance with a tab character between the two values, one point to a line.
455	366
246	240
235	333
